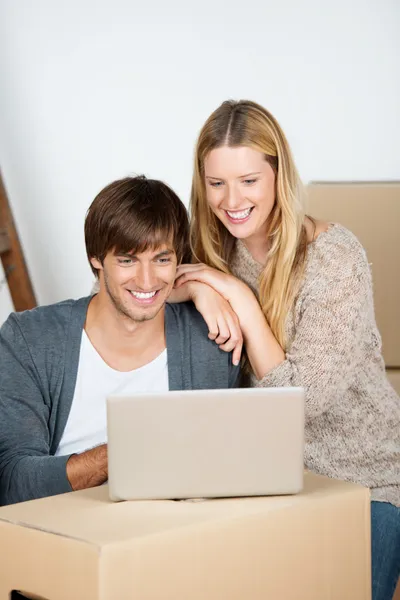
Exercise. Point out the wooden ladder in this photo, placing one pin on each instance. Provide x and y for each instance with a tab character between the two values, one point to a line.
12	258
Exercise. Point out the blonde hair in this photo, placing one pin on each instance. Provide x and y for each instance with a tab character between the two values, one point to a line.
245	123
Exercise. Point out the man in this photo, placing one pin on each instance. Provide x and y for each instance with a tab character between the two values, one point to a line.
58	363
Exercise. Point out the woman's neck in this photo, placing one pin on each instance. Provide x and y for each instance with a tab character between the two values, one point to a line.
258	246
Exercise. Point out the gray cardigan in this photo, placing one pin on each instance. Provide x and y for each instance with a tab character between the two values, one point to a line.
39	357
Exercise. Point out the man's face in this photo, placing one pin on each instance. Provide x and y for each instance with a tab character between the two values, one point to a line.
138	285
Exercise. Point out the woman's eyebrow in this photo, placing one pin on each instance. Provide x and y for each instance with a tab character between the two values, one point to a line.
240	176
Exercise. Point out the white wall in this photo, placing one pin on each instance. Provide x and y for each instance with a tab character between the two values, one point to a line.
92	91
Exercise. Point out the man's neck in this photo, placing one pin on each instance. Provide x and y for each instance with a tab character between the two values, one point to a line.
123	344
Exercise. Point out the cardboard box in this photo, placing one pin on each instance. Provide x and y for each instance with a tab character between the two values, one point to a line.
76	546
372	212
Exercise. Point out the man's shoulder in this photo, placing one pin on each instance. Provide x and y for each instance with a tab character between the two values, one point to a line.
45	321
188	319
187	333
186	311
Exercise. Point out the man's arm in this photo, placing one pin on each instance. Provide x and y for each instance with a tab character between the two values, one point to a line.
27	470
88	469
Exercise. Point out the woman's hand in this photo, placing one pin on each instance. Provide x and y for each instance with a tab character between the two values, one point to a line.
181	294
222	322
233	290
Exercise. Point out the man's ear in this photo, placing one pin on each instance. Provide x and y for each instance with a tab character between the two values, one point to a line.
96	264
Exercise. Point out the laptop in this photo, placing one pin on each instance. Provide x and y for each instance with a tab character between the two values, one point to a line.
206	444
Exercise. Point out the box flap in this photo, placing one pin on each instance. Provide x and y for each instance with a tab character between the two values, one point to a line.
90	516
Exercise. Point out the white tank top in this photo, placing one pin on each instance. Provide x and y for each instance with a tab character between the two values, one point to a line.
87	421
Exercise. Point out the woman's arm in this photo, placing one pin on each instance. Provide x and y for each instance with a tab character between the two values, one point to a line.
263	350
222	322
335	321
335	327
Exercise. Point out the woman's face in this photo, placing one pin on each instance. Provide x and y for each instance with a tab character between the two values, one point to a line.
240	186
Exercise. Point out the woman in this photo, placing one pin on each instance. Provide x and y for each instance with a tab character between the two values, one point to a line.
302	294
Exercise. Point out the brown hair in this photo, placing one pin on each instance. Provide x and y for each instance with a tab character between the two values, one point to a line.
245	123
134	214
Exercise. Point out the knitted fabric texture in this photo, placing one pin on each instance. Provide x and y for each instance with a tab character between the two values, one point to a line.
334	351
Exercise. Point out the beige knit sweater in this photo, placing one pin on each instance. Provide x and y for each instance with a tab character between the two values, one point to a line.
334	352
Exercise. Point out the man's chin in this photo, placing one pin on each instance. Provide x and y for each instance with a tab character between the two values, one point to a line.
146	314
143	317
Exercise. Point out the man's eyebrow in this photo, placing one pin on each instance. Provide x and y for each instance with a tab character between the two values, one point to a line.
240	176
125	254
165	253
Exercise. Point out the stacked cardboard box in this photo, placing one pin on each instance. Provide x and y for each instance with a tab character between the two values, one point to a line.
372	212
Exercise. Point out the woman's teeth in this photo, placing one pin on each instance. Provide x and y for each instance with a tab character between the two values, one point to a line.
143	295
239	215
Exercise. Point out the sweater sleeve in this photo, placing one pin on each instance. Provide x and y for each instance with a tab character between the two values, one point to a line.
27	470
332	327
